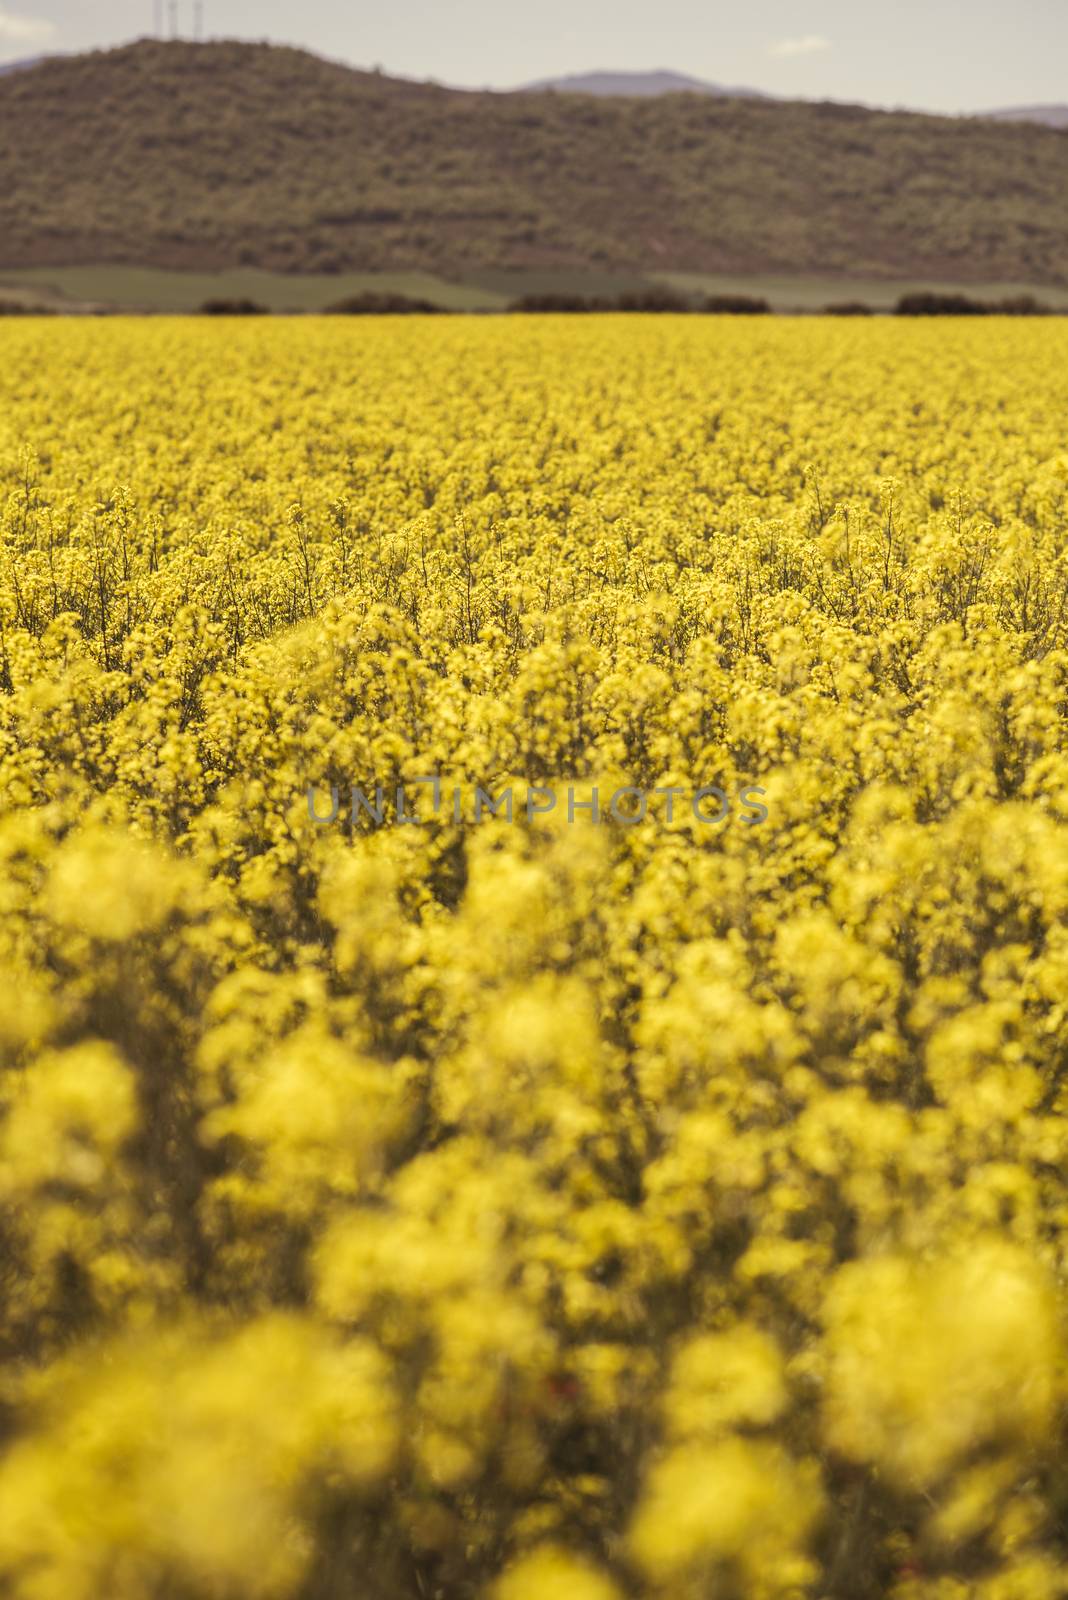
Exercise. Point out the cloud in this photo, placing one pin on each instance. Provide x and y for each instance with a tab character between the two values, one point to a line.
23	30
806	46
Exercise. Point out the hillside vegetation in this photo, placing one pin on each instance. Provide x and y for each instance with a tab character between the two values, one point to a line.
225	155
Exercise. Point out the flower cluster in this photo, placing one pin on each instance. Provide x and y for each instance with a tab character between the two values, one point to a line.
565	1208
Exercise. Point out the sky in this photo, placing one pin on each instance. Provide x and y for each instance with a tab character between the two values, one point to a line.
935	55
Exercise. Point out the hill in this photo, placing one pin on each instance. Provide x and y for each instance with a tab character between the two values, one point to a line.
640	84
229	155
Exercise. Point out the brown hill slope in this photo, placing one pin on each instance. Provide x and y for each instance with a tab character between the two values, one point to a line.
208	156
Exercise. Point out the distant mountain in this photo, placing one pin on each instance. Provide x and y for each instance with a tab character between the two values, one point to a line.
19	66
222	155
644	84
1050	116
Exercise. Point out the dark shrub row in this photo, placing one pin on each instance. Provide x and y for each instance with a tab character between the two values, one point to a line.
961	305
233	308
736	305
373	304
640	300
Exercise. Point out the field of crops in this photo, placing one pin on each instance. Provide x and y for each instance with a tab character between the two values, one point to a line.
657	1195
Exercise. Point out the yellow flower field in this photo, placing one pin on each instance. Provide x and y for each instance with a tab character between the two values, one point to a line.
635	1198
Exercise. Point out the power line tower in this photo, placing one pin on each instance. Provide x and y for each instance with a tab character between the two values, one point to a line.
174	18
198	21
157	19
